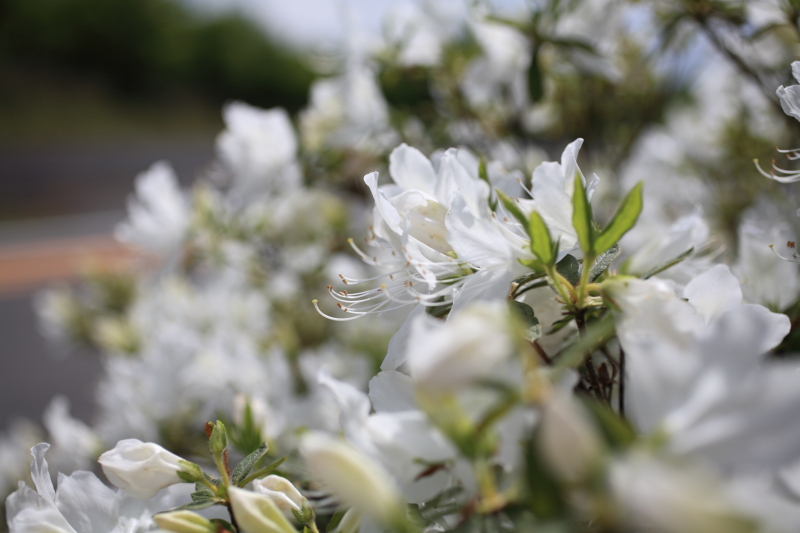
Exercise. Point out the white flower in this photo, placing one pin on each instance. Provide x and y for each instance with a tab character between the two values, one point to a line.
75	445
567	439
347	111
552	187
352	476
502	67
141	468
399	435
673	497
257	512
790	96
81	504
696	375
158	217
282	492
259	147
451	355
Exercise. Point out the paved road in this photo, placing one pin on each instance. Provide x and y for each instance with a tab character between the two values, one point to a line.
83	188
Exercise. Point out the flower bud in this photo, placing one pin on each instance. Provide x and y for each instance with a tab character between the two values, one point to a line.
282	492
354	477
218	440
257	512
567	438
143	468
184	522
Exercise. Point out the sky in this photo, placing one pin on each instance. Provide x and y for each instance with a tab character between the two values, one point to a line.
310	23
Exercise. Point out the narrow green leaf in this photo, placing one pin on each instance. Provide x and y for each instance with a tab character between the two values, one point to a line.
604	261
199	504
582	217
617	431
624	219
513	208
247	464
541	242
544	493
669	264
597	334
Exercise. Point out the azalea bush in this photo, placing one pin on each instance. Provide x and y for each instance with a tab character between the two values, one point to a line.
394	312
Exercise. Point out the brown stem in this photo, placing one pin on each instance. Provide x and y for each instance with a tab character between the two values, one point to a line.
539	350
591	371
621	382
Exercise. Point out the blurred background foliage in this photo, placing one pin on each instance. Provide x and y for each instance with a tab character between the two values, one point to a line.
134	61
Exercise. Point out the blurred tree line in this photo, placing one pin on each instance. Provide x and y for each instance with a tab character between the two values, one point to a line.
151	51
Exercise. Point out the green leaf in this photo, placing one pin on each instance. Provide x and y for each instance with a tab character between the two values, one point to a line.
669	264
597	334
247	464
582	217
513	208
199	504
202	495
604	261
617	431
624	219
541	242
570	268
545	495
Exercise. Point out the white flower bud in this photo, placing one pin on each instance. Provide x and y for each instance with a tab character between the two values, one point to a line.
184	522
567	439
142	468
257	512
466	348
281	491
352	476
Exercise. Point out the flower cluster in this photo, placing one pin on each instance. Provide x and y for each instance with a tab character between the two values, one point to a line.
508	344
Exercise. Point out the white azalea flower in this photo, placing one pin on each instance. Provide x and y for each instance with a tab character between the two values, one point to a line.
696	375
81	504
259	148
158	216
398	436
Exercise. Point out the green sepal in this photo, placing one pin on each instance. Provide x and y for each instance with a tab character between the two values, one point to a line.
624	219
603	261
513	208
247	464
582	217
222	525
189	472
541	243
570	268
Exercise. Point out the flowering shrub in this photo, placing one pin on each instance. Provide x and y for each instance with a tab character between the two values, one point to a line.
563	357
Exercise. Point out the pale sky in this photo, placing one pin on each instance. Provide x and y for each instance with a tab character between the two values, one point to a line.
311	22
